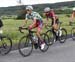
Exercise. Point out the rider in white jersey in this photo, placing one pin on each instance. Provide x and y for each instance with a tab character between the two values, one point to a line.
37	22
34	15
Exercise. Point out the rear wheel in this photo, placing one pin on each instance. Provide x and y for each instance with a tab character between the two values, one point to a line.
51	37
46	40
63	36
25	46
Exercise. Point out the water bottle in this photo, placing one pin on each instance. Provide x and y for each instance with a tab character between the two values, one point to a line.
35	39
57	33
60	32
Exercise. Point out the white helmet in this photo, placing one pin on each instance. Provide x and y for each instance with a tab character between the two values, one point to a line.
29	8
74	9
47	9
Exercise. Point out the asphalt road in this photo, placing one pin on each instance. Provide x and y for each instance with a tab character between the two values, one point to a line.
56	53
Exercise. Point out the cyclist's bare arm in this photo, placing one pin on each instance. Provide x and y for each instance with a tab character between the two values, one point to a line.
54	20
24	23
47	20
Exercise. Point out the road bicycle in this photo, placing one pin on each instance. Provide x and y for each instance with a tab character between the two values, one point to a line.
27	42
60	35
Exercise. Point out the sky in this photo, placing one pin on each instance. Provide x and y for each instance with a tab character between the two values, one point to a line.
6	3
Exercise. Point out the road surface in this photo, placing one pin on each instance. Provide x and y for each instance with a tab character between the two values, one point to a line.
56	53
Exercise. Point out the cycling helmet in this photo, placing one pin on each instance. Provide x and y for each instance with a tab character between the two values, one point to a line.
74	9
47	9
29	8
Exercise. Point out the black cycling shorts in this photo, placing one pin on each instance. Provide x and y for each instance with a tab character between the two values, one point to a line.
56	22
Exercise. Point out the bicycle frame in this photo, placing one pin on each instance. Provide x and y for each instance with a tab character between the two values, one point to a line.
30	34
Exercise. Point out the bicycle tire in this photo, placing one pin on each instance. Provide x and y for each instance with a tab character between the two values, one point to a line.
51	37
26	45
4	45
45	41
62	38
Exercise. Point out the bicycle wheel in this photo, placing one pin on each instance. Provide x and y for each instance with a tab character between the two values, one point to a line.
5	44
73	33
51	37
63	36
46	40
25	46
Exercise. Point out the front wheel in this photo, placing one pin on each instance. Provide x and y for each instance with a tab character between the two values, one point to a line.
25	46
45	40
51	37
5	44
63	36
73	33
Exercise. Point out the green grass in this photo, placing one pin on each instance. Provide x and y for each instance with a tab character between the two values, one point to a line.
11	27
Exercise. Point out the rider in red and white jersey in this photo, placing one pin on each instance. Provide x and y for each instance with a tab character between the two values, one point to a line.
37	22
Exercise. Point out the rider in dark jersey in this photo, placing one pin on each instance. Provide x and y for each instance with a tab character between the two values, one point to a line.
50	14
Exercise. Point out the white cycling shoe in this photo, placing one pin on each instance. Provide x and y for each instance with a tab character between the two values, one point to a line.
42	46
60	33
54	40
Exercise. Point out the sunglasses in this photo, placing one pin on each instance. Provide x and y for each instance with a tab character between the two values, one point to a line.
27	10
46	12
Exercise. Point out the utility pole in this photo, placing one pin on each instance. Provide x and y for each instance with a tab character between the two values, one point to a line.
19	2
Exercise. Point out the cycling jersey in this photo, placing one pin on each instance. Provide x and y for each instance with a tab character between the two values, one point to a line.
39	22
34	15
51	14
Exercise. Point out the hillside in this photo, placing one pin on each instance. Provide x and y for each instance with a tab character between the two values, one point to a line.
39	7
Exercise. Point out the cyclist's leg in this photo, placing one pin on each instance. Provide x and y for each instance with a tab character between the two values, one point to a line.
56	26
39	28
55	29
34	25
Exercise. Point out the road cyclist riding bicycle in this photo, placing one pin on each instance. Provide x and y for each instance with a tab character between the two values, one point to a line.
37	22
5	41
50	14
56	29
72	17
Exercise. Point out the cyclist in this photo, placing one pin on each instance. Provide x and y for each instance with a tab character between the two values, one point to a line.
72	16
50	14
37	23
1	25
